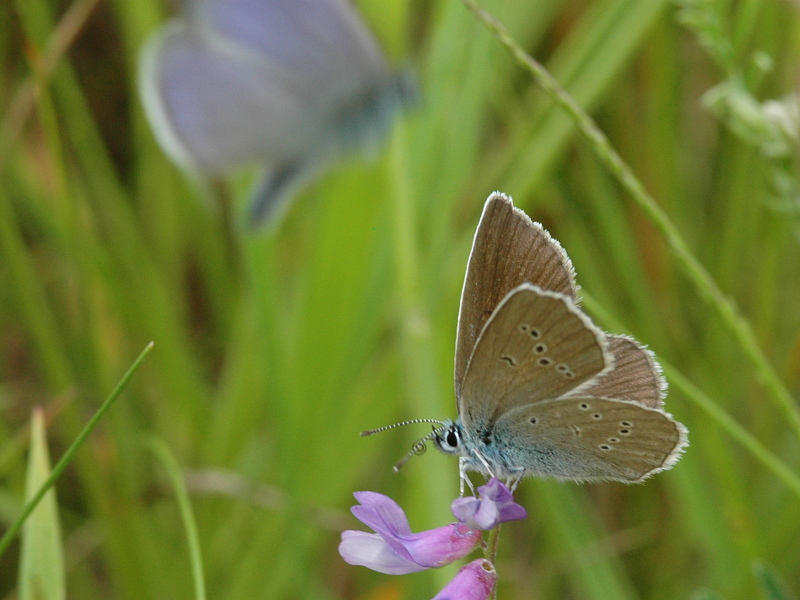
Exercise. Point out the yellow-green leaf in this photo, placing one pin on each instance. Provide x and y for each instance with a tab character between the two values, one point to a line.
41	570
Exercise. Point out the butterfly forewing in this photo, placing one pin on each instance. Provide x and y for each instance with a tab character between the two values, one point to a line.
183	68
589	438
636	375
537	345
323	40
238	83
509	249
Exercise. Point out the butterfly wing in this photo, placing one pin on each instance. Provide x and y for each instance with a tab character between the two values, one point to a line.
636	375
588	438
537	345
508	249
540	388
241	82
215	106
322	40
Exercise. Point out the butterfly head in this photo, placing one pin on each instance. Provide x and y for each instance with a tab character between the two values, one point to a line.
448	438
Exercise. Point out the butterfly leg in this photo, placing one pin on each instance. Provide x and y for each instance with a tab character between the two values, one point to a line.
485	464
514	482
462	474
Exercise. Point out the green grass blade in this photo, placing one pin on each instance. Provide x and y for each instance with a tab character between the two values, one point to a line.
167	460
41	571
70	452
772	585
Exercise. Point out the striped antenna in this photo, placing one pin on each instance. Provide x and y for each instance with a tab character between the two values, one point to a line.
411	422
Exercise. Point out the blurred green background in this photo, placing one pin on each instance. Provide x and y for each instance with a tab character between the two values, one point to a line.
272	351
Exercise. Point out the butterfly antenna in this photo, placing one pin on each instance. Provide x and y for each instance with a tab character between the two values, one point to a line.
401	424
418	448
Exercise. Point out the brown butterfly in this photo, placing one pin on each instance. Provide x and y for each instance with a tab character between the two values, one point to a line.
540	389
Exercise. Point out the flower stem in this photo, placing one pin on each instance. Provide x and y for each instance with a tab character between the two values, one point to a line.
491	551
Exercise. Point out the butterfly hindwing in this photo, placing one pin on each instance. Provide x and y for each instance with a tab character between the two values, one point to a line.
636	375
589	438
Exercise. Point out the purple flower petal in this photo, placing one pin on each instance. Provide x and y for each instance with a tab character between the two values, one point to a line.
496	505
381	512
394	549
475	581
385	516
371	550
467	510
441	546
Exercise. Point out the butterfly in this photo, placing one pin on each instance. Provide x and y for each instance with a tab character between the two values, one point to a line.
287	85
540	389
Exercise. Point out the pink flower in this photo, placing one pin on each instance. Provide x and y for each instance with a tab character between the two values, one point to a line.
475	581
394	549
495	506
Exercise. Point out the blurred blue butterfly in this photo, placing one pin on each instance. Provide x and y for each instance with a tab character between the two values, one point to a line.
287	84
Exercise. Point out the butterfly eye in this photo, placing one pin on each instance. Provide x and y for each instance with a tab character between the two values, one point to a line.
451	439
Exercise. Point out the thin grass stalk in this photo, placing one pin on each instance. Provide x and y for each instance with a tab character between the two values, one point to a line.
167	459
73	448
691	267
